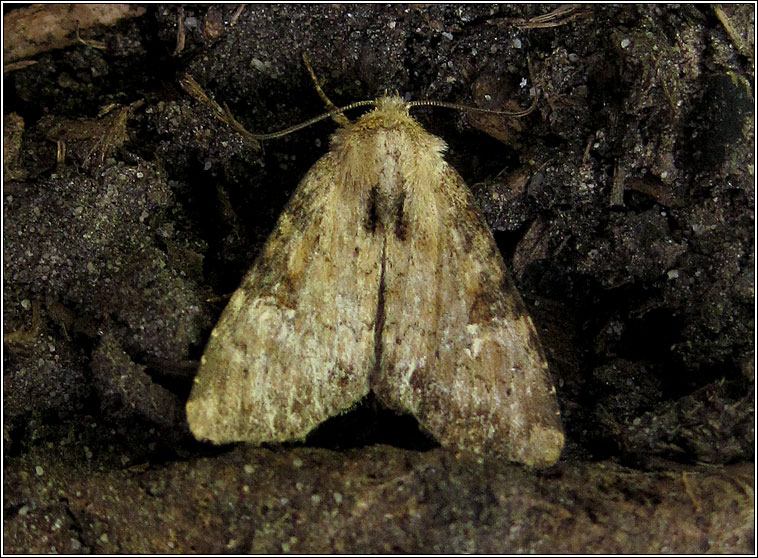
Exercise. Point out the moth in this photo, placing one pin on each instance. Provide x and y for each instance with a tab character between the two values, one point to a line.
381	276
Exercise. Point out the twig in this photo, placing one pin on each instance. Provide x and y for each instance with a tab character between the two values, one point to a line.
223	114
339	118
180	37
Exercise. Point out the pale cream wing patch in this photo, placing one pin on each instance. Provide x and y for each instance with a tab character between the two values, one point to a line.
295	344
459	350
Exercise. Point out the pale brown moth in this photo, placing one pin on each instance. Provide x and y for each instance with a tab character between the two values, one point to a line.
381	275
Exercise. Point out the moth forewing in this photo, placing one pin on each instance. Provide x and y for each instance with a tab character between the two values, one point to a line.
294	345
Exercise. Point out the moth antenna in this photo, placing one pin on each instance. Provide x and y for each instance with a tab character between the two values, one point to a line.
225	115
296	127
425	103
466	108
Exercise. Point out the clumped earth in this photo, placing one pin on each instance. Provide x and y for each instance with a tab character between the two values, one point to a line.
624	202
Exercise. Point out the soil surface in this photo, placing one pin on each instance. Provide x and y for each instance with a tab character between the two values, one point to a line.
624	204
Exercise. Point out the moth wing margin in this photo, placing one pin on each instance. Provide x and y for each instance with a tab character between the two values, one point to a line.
480	381
295	343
